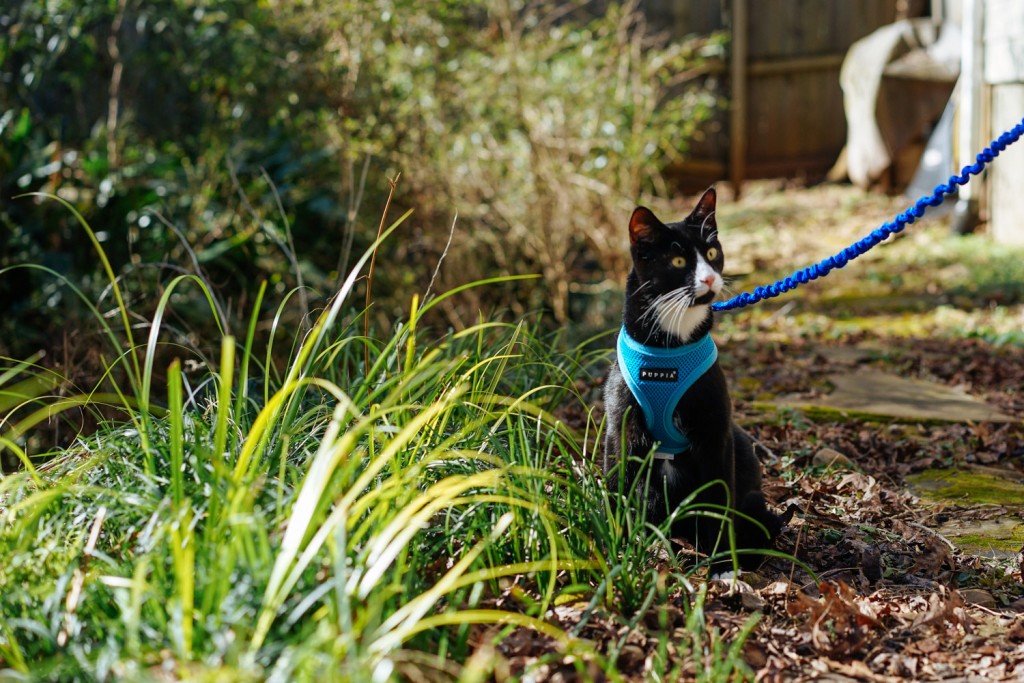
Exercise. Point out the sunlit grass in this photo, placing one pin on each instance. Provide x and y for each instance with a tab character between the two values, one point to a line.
927	282
245	521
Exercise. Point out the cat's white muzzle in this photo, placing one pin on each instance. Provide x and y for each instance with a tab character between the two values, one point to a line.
703	275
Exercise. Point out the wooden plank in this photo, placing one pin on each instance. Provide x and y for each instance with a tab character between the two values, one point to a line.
969	113
699	173
703	167
1006	201
764	42
777	67
815	127
812	166
690	17
794	28
738	106
795	115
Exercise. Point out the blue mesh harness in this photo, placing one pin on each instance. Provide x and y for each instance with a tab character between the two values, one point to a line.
658	378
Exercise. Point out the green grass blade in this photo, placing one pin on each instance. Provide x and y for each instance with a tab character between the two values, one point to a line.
108	269
176	442
224	389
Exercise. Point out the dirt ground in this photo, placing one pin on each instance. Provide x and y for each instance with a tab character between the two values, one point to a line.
896	598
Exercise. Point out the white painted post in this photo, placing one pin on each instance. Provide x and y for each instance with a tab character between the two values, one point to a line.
970	132
1004	72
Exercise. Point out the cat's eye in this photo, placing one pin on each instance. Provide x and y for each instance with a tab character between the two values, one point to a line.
678	262
712	253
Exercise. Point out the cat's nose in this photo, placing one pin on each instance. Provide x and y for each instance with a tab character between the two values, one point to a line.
709	280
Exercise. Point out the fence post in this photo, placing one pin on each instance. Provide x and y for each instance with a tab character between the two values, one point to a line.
970	111
738	95
1004	74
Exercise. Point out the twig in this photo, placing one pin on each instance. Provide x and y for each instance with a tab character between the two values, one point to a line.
796	544
196	268
826	574
114	89
772	457
290	251
451	233
355	200
369	277
934	533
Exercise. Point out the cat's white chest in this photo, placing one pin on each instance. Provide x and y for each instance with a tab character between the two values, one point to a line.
682	323
671	473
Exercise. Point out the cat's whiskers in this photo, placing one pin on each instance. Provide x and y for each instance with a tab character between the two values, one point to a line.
676	315
681	310
671	310
666	311
651	311
668	300
704	223
676	307
658	302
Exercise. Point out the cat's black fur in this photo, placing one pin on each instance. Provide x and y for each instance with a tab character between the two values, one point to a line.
721	451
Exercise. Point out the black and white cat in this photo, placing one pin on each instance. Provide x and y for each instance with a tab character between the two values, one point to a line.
666	388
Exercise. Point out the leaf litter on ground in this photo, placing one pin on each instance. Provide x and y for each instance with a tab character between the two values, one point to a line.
893	599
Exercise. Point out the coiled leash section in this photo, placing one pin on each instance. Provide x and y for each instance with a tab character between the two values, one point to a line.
824	267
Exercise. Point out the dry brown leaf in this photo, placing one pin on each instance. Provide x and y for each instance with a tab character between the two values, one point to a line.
946	612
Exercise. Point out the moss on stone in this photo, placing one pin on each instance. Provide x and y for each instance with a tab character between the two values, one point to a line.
986	544
967	487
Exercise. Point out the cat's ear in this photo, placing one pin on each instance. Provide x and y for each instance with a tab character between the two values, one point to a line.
705	209
642	224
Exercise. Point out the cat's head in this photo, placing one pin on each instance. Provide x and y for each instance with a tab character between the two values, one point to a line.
678	266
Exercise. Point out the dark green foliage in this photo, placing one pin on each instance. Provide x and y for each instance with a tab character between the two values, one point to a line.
148	115
249	141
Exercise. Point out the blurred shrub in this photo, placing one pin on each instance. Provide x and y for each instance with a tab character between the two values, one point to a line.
253	141
538	122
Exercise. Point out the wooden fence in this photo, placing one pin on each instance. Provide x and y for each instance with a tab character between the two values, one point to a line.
781	79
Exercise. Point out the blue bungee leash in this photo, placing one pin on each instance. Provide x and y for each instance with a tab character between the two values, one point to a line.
821	269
